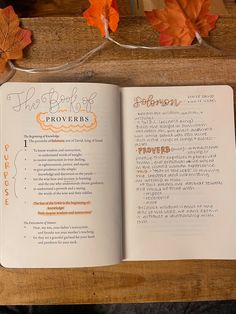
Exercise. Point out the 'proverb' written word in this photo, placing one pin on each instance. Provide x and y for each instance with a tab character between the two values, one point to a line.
154	150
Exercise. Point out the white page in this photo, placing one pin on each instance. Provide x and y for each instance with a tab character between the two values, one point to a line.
180	174
61	175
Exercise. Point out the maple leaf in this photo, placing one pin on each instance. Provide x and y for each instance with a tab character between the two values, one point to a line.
106	8
13	39
179	21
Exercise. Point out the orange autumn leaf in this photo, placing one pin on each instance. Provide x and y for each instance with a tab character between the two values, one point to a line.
179	21
106	8
13	39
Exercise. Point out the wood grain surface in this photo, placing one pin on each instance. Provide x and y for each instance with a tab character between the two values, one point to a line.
43	8
127	282
57	40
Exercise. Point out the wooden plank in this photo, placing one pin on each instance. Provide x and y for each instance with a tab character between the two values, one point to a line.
161	72
127	282
58	40
43	8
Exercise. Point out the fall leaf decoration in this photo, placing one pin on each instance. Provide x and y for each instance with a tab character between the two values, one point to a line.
180	20
106	8
13	39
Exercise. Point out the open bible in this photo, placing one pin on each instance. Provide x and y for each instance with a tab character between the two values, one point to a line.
93	174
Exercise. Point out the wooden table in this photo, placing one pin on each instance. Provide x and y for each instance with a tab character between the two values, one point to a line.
57	40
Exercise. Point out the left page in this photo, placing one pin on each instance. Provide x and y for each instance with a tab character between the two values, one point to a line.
61	175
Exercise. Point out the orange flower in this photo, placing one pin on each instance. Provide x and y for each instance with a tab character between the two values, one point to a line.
13	39
99	8
179	21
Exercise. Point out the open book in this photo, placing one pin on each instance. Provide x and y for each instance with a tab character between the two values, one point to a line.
93	174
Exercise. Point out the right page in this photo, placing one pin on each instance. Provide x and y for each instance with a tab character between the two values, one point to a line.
179	173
